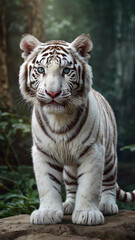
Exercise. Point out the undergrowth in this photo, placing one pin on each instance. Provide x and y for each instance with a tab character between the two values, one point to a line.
18	191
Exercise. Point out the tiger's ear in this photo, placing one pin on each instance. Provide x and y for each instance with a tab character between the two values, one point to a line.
83	45
27	44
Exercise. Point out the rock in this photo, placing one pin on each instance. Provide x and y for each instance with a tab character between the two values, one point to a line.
116	227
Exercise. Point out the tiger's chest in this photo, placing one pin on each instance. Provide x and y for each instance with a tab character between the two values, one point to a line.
60	146
67	142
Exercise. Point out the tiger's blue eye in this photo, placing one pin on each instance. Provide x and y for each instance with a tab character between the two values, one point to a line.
66	70
41	70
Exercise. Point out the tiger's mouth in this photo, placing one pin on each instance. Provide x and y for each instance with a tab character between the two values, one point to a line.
53	107
56	104
53	102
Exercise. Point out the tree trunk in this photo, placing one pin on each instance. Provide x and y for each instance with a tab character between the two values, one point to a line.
34	16
4	86
124	62
124	51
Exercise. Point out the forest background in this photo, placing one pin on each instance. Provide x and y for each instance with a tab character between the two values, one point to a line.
111	26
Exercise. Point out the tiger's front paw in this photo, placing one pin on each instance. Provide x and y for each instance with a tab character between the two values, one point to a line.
108	208
68	207
46	217
86	217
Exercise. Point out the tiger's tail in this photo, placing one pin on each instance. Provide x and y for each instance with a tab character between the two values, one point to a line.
124	196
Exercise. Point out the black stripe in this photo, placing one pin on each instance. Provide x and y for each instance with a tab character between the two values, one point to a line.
109	169
75	62
69	183
45	153
85	151
37	138
118	192
33	61
80	175
44	50
63	49
57	190
45	54
109	160
26	79
71	192
81	124
69	175
107	189
79	72
111	178
40	122
56	167
108	185
125	197
53	178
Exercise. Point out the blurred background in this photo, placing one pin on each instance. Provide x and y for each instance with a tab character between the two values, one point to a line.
111	26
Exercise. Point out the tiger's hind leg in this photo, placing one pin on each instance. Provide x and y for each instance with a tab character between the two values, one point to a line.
70	180
108	204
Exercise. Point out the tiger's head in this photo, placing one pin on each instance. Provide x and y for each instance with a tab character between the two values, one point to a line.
56	74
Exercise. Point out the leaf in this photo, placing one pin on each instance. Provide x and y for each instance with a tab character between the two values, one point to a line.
24	127
129	147
3	125
7	114
14	195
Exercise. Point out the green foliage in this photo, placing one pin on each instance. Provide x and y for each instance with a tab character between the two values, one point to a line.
63	192
65	22
13	127
129	147
11	123
128	206
18	191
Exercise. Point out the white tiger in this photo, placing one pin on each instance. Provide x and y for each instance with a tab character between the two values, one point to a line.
74	133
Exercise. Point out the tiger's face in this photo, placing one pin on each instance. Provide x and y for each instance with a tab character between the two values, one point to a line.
56	73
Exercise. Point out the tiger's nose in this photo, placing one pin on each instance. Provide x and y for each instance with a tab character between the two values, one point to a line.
53	94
